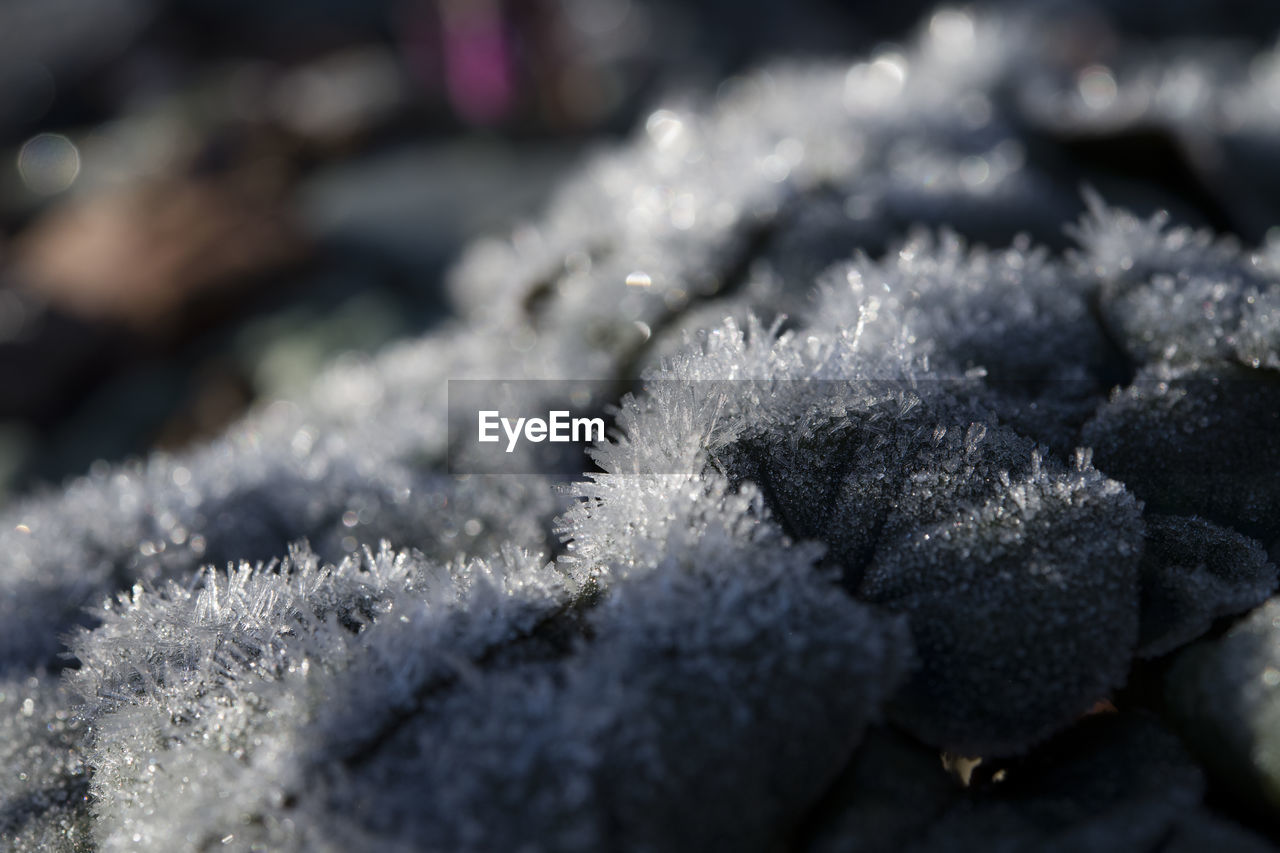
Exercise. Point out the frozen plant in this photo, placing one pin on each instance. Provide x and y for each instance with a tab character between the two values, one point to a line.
896	480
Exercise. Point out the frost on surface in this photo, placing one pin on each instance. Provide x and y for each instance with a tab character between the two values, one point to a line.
952	522
201	701
1015	316
1063	544
1193	572
276	480
461	725
890	464
1197	441
45	782
1197	430
1180	294
644	746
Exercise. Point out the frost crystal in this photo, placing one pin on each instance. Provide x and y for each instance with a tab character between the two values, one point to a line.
211	711
1178	294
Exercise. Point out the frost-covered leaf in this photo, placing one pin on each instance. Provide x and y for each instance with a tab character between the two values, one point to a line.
1022	598
836	493
1179	294
1200	440
200	701
1194	572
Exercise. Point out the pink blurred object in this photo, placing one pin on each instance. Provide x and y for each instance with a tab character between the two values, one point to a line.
477	60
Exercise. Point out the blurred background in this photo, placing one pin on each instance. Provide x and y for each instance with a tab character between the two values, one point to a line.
202	201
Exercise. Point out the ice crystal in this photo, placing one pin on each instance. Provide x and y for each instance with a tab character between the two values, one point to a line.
1179	294
451	682
206	705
